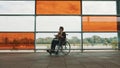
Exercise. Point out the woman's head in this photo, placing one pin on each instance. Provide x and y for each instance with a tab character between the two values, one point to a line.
61	28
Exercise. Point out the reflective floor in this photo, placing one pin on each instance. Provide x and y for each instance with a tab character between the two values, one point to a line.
74	60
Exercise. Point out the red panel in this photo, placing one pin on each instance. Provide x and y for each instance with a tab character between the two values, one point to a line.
16	41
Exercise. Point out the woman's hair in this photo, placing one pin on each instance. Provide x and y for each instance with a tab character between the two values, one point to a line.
61	28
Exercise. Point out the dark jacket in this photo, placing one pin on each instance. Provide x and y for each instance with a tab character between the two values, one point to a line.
64	37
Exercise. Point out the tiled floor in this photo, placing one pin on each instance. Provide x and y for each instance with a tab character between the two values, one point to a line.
74	60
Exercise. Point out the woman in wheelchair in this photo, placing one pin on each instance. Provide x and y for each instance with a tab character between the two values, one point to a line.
58	40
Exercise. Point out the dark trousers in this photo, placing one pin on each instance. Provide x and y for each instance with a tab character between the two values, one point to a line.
54	43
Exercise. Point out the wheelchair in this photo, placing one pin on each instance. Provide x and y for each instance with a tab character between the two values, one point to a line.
63	49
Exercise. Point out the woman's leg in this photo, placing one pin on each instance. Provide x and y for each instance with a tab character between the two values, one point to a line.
53	44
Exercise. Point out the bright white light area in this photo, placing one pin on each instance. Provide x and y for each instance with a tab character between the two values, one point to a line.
17	23
17	7
52	23
99	7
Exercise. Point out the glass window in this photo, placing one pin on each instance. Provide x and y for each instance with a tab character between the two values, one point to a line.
99	23
100	40
58	7
52	23
43	40
17	23
16	41
75	40
99	7
17	7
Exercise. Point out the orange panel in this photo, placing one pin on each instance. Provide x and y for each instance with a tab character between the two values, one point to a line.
58	7
13	41
99	23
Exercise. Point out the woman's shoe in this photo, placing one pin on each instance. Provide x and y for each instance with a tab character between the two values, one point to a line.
49	52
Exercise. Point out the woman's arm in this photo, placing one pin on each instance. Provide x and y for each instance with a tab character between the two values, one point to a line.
64	35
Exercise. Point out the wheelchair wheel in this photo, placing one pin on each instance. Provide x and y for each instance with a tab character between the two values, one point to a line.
66	48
